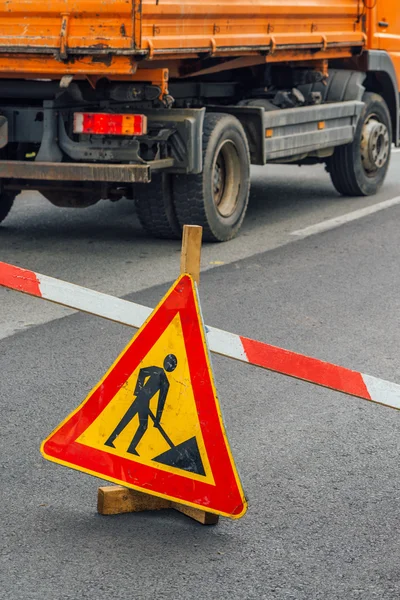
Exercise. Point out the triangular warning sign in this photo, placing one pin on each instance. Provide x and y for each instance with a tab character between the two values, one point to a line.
153	423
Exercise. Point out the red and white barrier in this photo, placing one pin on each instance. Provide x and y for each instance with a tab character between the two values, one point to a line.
221	342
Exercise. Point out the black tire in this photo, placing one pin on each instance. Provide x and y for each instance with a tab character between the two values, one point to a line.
217	198
359	168
155	208
6	202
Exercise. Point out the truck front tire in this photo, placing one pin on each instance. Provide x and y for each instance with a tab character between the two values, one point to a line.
359	168
217	198
6	202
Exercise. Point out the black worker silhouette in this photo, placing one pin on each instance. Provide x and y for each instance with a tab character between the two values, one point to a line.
153	380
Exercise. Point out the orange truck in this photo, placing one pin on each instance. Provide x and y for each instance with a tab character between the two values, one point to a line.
169	102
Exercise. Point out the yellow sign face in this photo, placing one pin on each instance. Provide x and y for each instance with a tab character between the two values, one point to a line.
179	420
153	423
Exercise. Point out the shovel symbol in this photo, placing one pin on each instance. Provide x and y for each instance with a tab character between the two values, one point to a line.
185	455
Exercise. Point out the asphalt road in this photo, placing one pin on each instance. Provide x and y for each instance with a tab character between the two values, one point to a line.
104	248
320	469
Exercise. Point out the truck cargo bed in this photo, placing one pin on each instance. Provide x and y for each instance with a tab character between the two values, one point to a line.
92	36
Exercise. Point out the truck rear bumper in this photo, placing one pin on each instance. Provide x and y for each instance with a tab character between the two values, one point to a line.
110	173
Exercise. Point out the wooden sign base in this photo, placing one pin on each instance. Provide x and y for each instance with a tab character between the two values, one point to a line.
115	500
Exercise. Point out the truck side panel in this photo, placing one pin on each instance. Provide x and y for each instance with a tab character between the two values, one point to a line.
82	26
203	24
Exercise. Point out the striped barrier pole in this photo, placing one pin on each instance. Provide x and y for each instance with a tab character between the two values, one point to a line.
221	342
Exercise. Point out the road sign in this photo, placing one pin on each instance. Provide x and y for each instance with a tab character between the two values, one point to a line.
153	423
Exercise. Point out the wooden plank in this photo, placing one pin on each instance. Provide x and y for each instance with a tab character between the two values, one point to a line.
203	517
116	500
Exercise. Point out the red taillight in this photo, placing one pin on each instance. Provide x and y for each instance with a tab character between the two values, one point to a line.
109	124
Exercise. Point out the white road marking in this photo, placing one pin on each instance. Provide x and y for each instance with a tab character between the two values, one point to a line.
343	219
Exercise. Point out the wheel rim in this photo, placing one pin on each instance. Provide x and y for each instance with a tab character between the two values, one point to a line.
226	179
375	145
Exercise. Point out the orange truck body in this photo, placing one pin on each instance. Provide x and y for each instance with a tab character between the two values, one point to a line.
114	37
213	86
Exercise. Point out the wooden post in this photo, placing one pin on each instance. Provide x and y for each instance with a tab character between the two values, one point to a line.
191	251
115	500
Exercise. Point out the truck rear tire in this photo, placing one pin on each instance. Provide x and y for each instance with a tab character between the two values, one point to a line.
155	208
217	198
6	202
359	168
